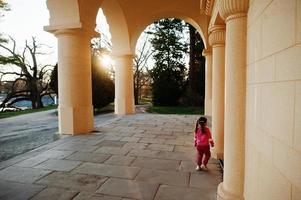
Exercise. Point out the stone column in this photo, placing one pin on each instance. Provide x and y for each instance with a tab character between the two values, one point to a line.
217	40
208	81
74	81
235	14
124	85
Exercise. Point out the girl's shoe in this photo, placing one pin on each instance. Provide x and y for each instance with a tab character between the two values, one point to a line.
204	167
198	168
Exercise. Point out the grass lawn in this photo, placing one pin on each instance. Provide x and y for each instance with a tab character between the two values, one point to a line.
107	109
21	112
176	110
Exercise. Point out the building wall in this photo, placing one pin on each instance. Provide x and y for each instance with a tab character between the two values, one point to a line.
273	104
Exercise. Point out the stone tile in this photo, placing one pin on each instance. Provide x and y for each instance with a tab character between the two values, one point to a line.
156	164
166	136
187	166
55	193
58	165
72	181
92	196
163	177
89	157
161	147
120	160
43	157
187	149
22	175
130	139
152	140
175	155
113	150
32	161
129	188
166	192
112	137
75	146
205	180
175	142
18	191
111	143
134	145
144	135
108	170
56	154
143	153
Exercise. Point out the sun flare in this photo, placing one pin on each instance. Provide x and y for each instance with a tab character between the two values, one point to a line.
106	61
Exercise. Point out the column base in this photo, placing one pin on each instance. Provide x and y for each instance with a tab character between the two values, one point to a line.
218	155
222	194
124	106
75	120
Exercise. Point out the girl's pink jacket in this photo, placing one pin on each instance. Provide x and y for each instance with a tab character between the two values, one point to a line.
203	139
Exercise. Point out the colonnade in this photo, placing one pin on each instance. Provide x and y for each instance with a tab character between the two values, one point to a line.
228	79
224	97
75	88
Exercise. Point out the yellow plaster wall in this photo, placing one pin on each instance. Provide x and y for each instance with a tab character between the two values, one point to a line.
273	107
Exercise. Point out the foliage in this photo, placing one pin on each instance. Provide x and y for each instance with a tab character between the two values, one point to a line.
195	87
54	80
32	82
168	74
176	110
103	88
3	7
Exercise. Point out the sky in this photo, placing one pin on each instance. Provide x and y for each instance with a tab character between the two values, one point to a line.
27	18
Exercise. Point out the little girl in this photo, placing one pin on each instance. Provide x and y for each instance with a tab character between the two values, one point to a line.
202	139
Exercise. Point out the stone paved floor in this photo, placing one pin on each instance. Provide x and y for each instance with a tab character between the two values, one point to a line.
141	156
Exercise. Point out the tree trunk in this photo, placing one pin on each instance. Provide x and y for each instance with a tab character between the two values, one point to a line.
36	99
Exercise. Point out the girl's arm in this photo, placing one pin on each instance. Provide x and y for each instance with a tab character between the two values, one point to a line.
195	131
210	138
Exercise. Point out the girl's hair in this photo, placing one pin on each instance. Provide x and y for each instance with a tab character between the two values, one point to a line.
201	120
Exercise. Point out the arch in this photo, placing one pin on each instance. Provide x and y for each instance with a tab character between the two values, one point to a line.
63	13
157	16
117	26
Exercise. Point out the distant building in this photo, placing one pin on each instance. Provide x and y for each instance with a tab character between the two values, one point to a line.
5	86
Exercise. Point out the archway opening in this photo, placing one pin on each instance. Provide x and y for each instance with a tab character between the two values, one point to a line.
169	53
102	66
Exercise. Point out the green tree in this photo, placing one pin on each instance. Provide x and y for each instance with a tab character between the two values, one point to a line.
54	81
168	74
195	89
103	88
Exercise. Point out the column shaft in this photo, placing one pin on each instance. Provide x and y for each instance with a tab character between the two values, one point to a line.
124	85
218	85
208	83
235	14
235	82
217	40
74	81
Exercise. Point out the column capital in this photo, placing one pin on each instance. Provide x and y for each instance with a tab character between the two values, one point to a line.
217	35
122	56
76	32
207	52
232	9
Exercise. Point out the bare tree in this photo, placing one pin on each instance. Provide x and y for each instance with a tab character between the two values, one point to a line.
141	75
32	82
